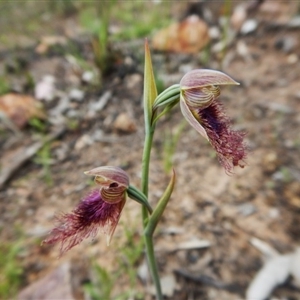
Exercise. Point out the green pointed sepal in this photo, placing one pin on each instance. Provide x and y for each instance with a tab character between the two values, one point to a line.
150	90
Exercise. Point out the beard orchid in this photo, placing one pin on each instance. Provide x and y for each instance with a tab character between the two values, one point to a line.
101	208
199	92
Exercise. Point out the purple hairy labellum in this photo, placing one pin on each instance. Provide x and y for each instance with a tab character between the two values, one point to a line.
100	209
200	106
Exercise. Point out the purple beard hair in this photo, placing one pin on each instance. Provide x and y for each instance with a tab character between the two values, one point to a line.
84	221
228	143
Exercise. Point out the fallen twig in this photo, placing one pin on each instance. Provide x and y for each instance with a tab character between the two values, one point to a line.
206	280
24	154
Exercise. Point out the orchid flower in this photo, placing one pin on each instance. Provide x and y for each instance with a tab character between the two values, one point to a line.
199	92
101	208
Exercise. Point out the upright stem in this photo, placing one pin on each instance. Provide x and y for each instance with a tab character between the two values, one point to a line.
148	236
145	168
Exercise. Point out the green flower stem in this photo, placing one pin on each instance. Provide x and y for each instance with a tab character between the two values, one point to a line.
146	159
148	238
150	94
148	235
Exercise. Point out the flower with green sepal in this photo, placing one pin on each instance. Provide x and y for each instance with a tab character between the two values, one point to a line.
100	209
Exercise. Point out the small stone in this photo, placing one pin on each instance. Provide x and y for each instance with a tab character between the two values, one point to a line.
134	80
239	16
249	26
214	33
87	76
292	59
143	272
83	141
73	114
193	244
295	267
76	95
128	61
168	285
242	49
297	95
124	123
286	44
45	89
274	213
246	209
278	107
62	152
96	106
62	107
295	22
270	162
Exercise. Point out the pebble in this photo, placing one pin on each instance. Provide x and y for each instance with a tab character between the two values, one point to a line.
278	176
295	22
286	44
274	213
77	95
249	26
100	104
295	268
83	141
133	80
239	16
143	272
62	152
124	123
61	108
297	94
45	89
214	33
87	76
99	136
242	49
292	59
247	209
73	114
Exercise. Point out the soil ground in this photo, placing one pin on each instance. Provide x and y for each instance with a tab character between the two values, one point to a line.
260	201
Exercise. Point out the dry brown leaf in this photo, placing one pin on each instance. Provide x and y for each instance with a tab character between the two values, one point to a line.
189	36
48	41
21	108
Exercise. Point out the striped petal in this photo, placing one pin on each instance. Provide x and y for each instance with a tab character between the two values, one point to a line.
107	175
203	77
190	117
